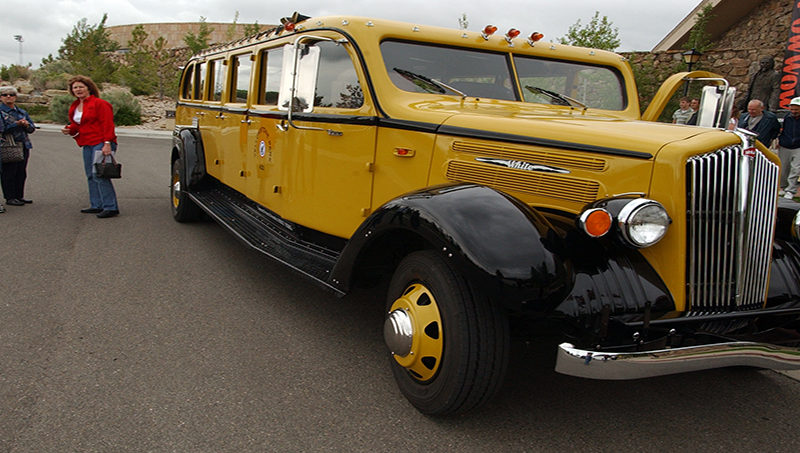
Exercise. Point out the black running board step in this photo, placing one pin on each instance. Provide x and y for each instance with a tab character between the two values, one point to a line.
265	232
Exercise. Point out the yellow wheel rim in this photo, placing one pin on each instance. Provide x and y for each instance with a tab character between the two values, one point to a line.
427	344
176	184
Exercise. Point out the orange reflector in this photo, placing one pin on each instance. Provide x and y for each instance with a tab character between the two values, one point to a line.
403	152
488	31
512	33
288	26
596	222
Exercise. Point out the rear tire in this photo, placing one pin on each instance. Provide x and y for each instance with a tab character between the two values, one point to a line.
460	348
183	208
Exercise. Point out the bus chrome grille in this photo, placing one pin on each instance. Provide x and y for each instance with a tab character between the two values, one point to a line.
731	206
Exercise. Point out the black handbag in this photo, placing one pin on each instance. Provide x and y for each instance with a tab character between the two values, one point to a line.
108	170
11	150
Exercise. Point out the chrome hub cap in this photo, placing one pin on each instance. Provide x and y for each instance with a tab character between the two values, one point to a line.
413	332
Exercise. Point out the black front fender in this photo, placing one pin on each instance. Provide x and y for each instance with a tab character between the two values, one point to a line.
189	145
503	247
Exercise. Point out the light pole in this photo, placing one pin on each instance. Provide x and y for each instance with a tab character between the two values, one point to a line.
19	39
690	57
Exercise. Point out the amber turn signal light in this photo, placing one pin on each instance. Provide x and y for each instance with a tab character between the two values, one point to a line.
595	222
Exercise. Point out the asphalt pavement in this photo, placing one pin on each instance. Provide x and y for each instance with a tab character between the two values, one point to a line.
137	333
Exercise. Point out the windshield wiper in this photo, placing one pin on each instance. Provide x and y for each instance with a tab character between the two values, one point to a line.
428	84
560	99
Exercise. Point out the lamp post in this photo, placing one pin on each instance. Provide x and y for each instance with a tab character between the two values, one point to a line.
19	39
690	57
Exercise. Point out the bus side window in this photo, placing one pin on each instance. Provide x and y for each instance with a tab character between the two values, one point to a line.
270	82
240	82
200	78
188	83
216	72
337	81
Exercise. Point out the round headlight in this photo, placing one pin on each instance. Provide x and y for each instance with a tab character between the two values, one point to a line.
643	222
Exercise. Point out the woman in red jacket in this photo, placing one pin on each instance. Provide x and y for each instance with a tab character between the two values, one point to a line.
91	124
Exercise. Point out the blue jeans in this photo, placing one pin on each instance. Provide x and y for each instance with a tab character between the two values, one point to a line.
101	191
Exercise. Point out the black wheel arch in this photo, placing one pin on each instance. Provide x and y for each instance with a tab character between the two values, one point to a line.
187	145
501	245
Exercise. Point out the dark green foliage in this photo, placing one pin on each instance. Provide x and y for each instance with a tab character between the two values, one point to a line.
38	112
52	75
199	41
138	72
699	37
127	111
252	29
59	109
84	48
15	72
597	34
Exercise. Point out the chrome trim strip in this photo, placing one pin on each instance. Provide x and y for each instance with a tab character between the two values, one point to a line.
635	365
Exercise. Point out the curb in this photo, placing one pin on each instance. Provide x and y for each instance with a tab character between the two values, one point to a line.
121	131
794	374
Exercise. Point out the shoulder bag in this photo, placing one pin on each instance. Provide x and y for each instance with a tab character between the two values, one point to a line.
11	150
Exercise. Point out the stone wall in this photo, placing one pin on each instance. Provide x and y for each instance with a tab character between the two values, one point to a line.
735	55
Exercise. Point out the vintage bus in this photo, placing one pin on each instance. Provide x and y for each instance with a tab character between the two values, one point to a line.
490	178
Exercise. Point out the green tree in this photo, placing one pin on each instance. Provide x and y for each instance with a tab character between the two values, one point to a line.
699	37
231	32
199	41
251	29
87	47
167	68
599	33
138	72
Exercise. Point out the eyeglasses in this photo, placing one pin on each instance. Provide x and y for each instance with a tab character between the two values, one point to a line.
8	94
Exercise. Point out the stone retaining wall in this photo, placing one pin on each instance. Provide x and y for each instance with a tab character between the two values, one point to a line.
735	55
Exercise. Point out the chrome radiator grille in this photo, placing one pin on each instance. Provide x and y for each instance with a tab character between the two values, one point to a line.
731	205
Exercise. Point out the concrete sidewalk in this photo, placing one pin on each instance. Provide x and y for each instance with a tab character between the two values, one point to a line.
794	374
121	131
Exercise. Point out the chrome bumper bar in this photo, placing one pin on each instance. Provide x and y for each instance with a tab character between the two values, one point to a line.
634	365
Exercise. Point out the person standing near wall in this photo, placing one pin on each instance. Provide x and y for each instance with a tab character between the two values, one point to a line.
789	150
761	122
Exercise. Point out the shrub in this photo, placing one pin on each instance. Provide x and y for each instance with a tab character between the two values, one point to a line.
127	111
38	112
59	108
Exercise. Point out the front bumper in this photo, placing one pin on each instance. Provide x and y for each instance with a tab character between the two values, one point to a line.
634	365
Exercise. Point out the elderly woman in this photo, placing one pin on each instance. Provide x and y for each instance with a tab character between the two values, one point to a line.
91	124
18	123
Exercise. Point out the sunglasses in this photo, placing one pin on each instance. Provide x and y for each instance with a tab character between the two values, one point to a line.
8	94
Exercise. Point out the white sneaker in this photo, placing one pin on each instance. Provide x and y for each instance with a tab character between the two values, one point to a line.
2	209
788	195
781	193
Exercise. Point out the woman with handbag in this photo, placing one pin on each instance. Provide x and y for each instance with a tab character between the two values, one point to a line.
91	124
17	124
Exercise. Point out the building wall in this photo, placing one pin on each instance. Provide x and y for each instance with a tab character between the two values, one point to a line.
174	32
735	55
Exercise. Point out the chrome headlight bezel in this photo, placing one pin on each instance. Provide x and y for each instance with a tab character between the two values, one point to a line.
630	219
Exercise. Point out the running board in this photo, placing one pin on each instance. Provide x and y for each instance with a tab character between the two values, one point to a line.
265	232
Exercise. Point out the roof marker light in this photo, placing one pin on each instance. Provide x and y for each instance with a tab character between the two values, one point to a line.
511	34
534	38
288	26
488	31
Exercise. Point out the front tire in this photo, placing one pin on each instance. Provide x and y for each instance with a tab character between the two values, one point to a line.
183	208
450	343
